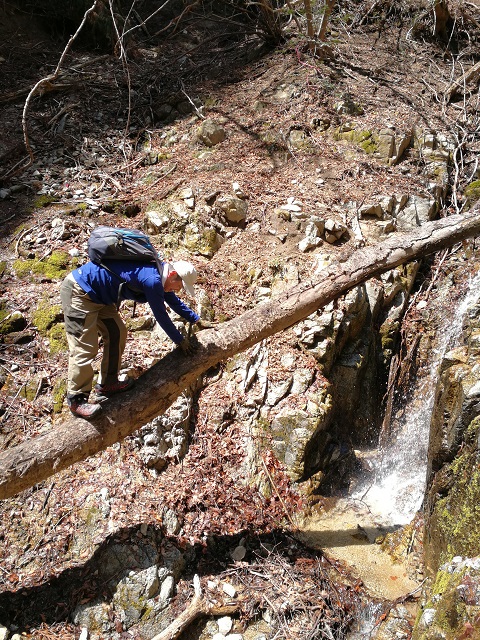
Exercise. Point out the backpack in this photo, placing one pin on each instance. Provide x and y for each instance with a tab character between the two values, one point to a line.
111	243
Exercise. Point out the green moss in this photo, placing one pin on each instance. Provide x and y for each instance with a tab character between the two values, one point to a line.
3	267
46	315
43	201
457	515
205	242
22	268
59	393
363	139
30	389
472	192
54	267
57	338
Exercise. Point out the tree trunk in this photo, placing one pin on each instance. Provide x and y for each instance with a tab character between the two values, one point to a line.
329	4
74	439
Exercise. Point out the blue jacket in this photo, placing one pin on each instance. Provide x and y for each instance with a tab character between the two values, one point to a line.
102	287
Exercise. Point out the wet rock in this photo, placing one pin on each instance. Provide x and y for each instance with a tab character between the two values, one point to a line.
398	625
452	610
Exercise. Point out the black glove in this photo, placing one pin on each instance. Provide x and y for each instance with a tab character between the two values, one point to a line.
188	346
204	324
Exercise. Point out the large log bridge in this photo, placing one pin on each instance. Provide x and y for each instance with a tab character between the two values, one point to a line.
75	439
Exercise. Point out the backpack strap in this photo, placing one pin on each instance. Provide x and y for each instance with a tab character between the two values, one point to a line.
120	288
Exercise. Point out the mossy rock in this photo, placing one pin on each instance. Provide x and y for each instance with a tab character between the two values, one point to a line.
472	192
205	242
43	200
59	394
366	140
454	521
54	267
31	388
46	315
12	322
452	609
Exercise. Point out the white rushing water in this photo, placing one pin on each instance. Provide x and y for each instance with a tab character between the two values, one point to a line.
399	469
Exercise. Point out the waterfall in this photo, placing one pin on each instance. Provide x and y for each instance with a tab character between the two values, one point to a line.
399	468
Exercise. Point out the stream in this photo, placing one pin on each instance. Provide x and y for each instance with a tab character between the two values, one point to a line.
399	469
389	495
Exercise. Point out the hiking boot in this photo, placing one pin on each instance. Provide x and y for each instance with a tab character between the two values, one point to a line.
108	390
80	407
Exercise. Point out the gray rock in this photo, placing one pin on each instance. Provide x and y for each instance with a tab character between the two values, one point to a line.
156	221
234	209
210	133
416	212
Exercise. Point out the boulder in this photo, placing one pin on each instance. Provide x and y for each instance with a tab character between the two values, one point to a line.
234	209
210	133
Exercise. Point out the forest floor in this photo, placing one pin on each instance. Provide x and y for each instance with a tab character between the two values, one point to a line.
93	138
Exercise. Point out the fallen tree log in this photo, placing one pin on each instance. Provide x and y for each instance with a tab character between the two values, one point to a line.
75	439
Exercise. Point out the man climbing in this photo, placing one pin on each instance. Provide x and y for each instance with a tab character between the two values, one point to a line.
90	298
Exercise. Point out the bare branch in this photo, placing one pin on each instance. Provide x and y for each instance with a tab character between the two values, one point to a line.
43	84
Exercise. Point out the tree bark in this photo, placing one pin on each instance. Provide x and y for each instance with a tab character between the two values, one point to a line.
74	439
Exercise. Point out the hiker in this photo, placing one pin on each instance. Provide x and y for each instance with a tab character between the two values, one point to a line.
90	298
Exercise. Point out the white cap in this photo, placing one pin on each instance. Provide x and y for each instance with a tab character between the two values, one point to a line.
188	274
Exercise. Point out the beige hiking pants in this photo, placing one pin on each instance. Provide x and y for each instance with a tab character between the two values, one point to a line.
85	320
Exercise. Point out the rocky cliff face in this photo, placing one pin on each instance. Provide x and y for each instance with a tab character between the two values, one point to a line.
452	540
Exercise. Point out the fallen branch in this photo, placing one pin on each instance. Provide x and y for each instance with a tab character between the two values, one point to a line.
472	75
74	439
199	606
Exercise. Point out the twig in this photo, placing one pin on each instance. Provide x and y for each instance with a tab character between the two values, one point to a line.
58	115
47	496
197	110
164	175
24	233
278	494
199	606
7	412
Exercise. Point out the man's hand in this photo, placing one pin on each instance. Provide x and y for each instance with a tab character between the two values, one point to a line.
188	346
204	324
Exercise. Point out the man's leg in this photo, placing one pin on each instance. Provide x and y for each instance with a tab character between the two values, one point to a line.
81	316
114	335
